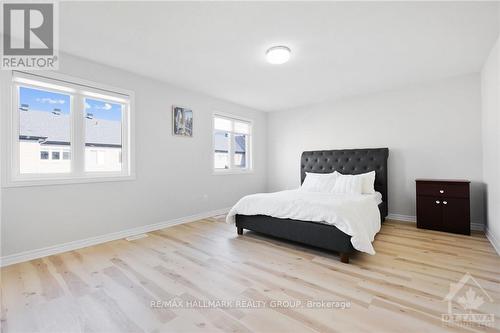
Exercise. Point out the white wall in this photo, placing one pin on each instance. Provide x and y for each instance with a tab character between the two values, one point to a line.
490	84
432	130
173	173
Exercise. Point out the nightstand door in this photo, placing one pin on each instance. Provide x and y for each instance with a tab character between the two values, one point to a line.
429	213
456	215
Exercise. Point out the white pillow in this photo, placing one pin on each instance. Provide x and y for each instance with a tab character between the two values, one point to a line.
348	184
368	182
319	182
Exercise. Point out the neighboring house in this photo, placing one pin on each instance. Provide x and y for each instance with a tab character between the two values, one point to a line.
44	139
221	147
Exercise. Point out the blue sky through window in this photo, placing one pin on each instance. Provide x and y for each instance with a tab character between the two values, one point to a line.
47	101
103	110
41	100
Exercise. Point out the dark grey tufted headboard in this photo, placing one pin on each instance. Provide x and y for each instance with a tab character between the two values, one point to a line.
349	161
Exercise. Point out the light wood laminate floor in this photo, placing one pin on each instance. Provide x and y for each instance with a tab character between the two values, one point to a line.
109	287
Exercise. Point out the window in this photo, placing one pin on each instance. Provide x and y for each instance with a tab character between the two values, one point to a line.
67	130
44	122
103	123
231	144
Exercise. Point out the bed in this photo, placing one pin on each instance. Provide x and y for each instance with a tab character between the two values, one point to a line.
322	235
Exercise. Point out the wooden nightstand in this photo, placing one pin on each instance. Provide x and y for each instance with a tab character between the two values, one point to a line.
443	205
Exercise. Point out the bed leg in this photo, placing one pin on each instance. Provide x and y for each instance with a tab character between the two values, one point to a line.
344	257
239	230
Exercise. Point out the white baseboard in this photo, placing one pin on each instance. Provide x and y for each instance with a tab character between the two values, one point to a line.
78	244
477	226
494	241
74	245
404	218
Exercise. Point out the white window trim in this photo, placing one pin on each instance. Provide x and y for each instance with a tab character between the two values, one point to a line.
9	117
233	171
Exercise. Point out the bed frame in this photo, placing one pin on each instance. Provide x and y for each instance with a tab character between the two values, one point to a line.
322	235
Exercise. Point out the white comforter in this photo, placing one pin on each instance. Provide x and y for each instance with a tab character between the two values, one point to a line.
355	215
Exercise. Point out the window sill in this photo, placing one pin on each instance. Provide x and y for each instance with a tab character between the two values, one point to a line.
232	172
65	181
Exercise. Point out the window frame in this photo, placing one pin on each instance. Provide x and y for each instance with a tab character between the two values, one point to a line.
78	89
233	170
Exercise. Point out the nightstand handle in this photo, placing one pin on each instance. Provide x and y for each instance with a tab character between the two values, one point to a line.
445	202
437	201
441	191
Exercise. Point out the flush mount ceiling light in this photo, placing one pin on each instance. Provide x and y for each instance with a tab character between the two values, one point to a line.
278	55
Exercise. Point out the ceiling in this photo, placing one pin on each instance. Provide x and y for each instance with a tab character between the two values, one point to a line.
339	49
